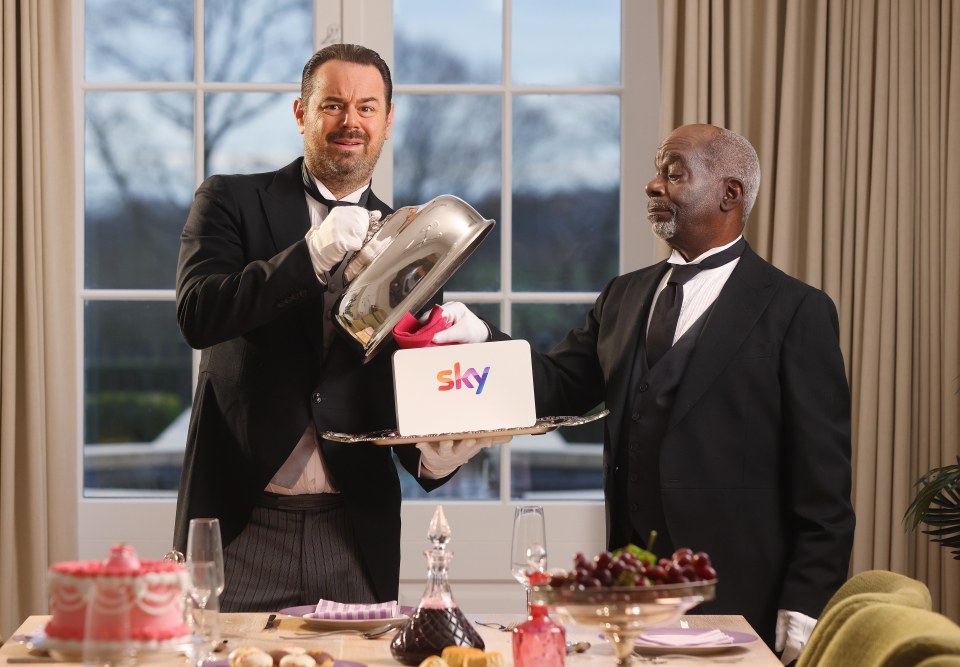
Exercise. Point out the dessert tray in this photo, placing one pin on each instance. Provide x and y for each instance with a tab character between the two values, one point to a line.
388	437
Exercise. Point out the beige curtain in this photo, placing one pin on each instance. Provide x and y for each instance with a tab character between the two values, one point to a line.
38	415
854	108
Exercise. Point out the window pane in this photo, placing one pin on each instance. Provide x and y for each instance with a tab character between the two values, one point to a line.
438	41
488	311
249	132
478	479
566	192
566	42
133	40
546	324
450	144
138	184
565	464
257	40
136	395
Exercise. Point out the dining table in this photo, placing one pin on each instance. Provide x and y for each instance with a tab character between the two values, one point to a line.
351	649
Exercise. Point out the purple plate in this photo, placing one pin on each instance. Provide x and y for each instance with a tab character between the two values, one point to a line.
223	662
739	639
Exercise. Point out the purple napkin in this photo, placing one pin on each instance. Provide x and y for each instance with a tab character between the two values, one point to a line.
342	611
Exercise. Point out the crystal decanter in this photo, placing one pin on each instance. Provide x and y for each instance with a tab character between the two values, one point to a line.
437	621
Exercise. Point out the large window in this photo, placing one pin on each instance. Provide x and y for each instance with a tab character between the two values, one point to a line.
494	105
172	91
514	106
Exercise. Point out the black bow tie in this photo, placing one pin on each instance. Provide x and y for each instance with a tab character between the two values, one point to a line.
311	189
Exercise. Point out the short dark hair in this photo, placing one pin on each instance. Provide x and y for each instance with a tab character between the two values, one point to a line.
351	53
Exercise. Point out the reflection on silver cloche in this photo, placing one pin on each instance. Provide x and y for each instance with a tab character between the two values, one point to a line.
422	247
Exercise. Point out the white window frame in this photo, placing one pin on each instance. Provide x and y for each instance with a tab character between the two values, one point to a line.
481	528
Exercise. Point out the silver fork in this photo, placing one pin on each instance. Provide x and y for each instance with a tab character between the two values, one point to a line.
497	626
366	634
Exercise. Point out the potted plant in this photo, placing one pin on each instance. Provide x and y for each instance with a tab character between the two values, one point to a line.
937	504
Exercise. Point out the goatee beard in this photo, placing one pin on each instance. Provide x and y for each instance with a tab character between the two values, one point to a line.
665	230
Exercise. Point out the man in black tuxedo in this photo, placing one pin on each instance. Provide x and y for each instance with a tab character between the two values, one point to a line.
731	433
261	256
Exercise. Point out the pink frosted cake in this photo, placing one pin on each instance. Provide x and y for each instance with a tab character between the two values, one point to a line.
148	593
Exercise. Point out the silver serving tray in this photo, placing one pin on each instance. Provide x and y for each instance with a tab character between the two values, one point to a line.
388	437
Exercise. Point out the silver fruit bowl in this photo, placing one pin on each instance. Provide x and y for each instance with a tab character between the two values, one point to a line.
420	247
622	613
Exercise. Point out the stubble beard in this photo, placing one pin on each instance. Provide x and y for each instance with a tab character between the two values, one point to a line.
340	170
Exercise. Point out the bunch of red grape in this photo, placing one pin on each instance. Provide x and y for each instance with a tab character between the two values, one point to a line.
632	566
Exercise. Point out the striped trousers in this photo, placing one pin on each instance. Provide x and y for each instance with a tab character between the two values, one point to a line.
295	550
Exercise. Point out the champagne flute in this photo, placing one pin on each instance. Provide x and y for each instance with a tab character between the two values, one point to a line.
528	552
202	609
204	546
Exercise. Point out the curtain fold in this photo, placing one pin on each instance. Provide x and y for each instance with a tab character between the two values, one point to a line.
854	108
38	415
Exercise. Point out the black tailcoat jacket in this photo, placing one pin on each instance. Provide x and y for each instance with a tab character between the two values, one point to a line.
247	295
755	462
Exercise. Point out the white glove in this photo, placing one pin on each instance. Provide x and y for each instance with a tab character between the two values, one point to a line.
792	634
342	231
440	458
465	327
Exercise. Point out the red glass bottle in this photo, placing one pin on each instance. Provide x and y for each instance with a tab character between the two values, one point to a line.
539	641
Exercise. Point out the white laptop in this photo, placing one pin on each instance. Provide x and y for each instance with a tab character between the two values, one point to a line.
459	388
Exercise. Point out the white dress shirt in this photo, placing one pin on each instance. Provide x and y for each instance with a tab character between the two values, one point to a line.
698	292
315	478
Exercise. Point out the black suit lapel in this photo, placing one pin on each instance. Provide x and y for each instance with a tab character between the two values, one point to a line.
288	219
285	206
739	305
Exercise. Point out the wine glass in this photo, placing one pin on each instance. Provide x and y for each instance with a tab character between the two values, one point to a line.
202	609
204	546
528	552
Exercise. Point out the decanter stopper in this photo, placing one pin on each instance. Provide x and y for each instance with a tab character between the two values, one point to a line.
439	531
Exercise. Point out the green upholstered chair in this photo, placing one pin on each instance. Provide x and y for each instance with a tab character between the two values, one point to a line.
940	661
908	591
891	635
863	589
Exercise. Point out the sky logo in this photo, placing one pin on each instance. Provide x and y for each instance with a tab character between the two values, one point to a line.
454	379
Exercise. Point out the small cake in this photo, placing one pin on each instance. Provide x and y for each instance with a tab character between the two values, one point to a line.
147	593
456	656
279	654
249	656
322	658
434	661
297	660
484	659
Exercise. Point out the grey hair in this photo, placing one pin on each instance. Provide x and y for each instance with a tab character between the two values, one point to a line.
734	157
